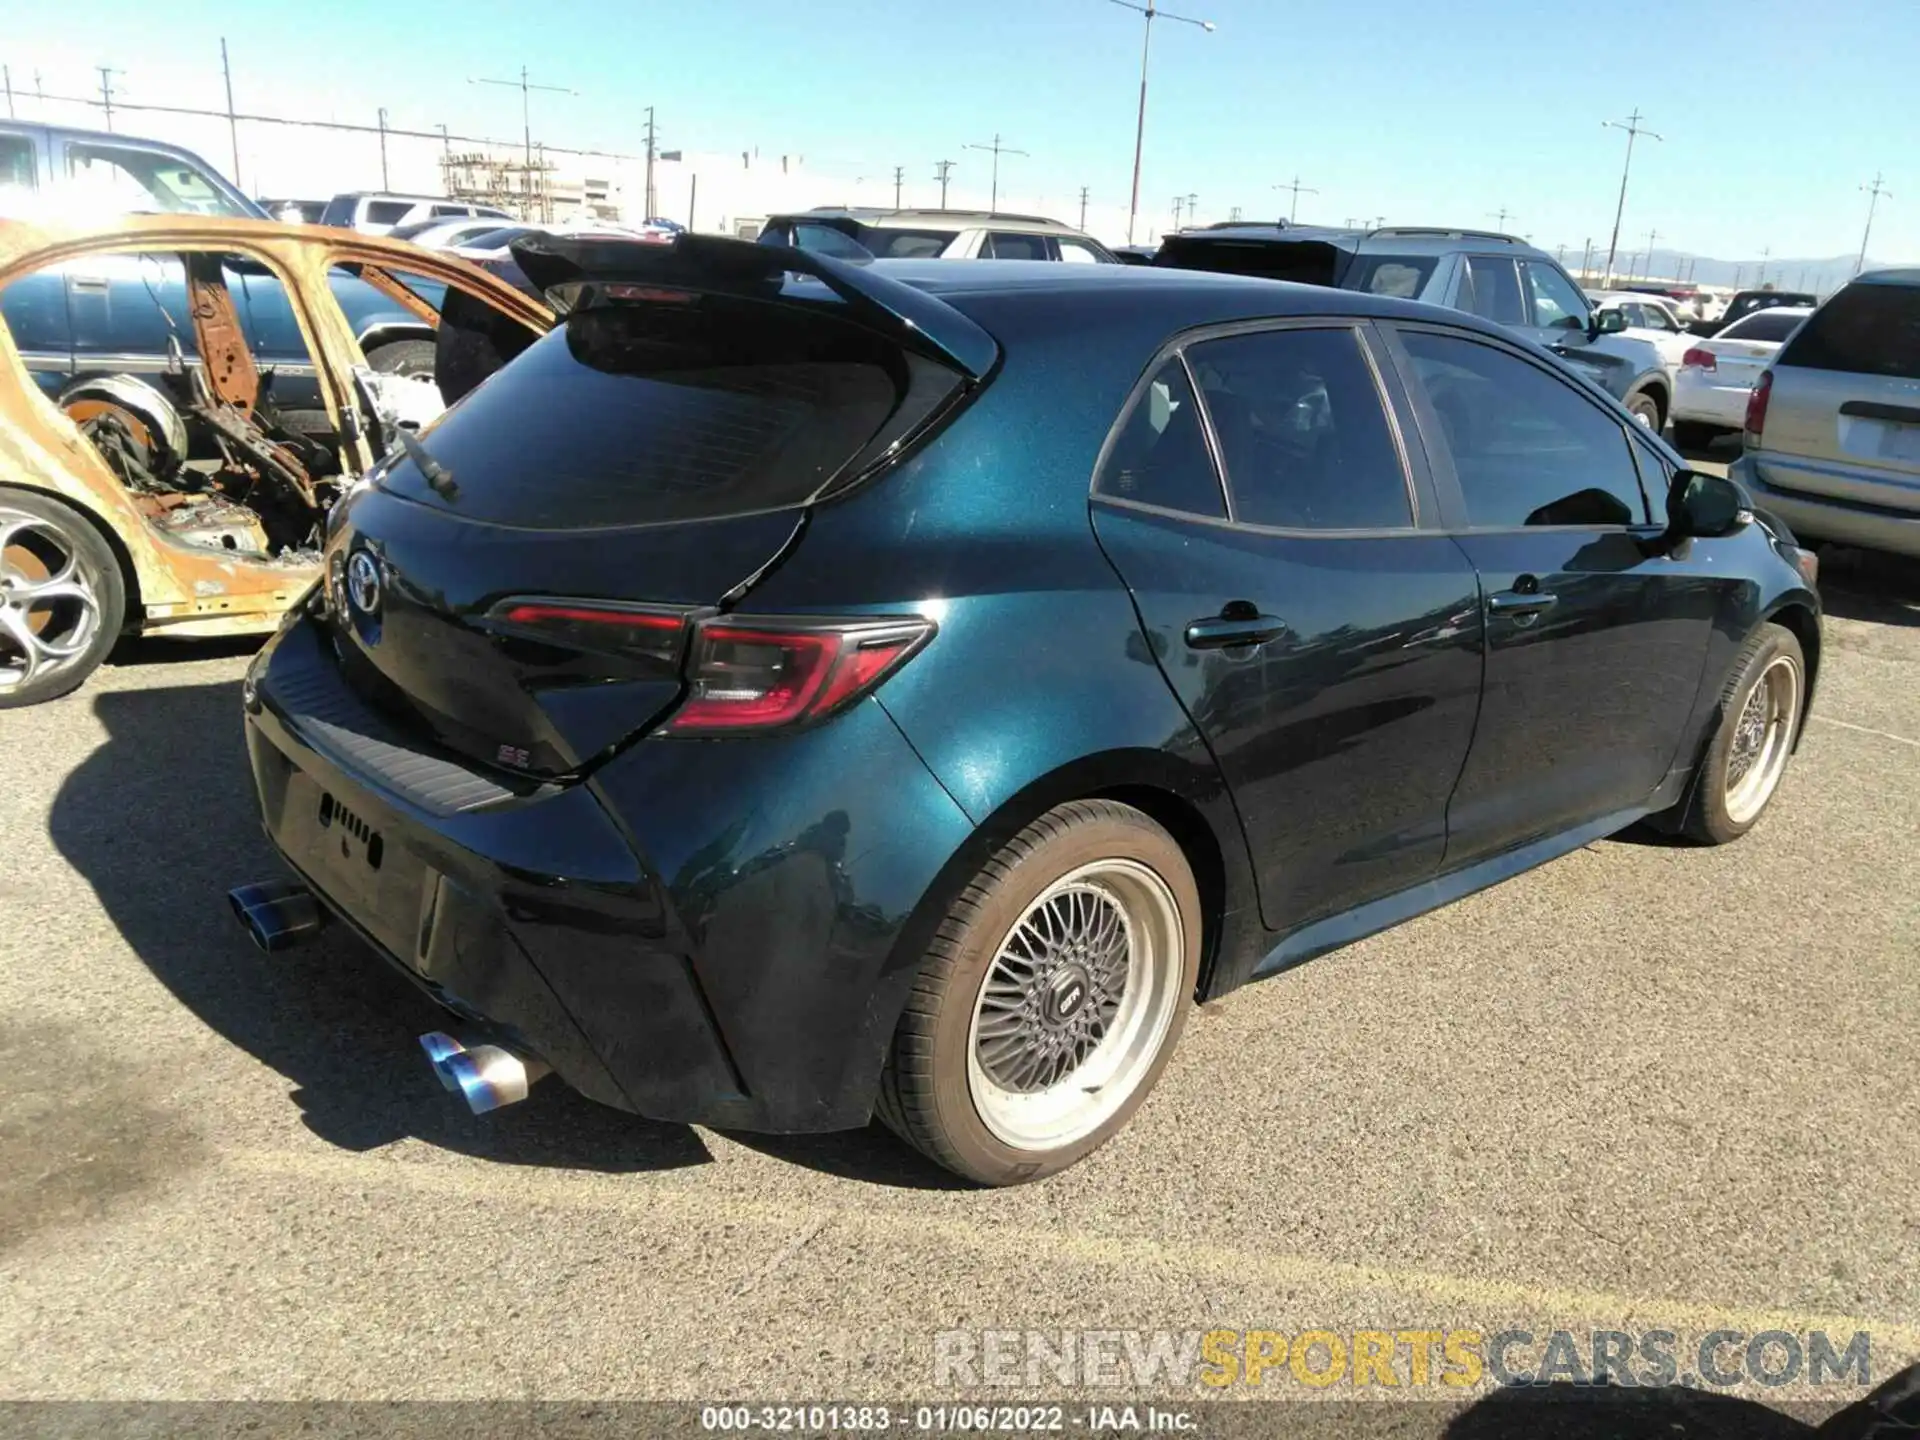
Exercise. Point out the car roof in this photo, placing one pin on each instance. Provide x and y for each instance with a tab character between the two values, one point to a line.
1389	239
398	195
1904	275
960	219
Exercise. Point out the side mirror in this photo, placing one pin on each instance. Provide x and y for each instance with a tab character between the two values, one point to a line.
1705	506
1607	322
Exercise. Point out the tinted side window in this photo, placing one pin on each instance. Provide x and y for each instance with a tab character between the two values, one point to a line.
1080	252
1490	288
1004	246
1302	432
1160	455
17	163
1864	330
1768	325
1528	448
1555	302
387	212
825	240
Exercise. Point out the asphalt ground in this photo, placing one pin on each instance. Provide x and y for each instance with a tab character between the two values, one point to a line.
1646	1087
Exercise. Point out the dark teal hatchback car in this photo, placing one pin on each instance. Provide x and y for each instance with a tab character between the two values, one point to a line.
792	691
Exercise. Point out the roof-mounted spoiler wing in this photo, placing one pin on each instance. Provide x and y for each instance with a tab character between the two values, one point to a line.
569	269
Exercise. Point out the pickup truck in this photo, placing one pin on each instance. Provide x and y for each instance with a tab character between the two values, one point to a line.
114	314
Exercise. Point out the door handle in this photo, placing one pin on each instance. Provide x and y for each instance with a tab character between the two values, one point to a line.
98	284
1223	632
1520	602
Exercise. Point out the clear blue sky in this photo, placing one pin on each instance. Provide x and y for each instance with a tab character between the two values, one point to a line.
1422	110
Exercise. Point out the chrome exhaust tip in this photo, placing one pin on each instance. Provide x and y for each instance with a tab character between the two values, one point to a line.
486	1076
277	914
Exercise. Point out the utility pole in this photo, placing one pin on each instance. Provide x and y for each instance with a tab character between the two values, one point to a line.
1874	192
1295	188
1760	280
526	107
1634	131
7	75
1178	202
106	90
1193	206
1083	207
1151	11
1560	253
233	126
384	185
998	150
899	179
942	169
650	150
1586	259
1500	218
1738	271
1234	214
1652	235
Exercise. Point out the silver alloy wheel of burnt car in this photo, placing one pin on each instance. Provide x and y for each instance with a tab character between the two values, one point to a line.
1760	712
1051	995
61	599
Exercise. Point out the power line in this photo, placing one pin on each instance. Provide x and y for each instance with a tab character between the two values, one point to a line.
1634	131
1296	189
526	109
1874	192
998	149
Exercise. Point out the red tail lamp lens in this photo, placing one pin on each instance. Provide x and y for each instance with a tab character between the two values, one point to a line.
759	677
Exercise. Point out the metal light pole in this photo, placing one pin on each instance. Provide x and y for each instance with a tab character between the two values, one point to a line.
998	150
1874	192
1151	11
1634	130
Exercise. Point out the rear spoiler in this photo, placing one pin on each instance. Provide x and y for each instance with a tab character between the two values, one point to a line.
567	270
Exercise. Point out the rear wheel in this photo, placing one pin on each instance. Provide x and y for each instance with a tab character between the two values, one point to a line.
1760	713
1050	998
62	599
1695	434
1646	409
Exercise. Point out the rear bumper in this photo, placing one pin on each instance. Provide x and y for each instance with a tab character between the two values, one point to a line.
1710	404
706	932
1823	517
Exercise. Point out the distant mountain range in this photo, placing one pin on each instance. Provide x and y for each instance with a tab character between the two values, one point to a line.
1818	275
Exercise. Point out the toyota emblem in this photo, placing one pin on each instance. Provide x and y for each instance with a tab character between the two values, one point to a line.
363	583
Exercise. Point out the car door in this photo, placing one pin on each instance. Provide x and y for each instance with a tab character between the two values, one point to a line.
1325	644
1596	635
1659	329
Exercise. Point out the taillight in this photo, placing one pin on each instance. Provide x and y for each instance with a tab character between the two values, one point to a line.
1757	404
1698	359
632	632
767	674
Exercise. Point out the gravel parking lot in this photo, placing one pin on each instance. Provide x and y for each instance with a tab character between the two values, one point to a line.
1646	1086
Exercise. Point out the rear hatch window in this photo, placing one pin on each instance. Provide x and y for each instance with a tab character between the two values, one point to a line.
1864	330
1305	262
653	413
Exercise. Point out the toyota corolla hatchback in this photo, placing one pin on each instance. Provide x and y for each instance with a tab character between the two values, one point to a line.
791	691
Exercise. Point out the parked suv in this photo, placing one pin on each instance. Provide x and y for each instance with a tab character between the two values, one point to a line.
1497	277
933	234
1833	425
375	212
51	173
794	690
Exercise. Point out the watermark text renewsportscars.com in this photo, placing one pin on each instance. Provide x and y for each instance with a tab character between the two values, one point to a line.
1398	1359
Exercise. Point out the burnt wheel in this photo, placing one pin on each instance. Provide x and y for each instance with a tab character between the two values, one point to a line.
412	358
1050	998
62	599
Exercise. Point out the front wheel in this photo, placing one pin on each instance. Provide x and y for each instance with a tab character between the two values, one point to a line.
1050	998
1760	714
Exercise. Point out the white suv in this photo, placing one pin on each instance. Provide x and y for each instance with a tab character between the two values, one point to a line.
933	235
373	212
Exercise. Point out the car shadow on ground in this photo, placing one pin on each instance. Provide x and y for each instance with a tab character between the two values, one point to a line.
161	821
1870	585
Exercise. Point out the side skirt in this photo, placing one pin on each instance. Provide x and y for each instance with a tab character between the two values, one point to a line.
1383	914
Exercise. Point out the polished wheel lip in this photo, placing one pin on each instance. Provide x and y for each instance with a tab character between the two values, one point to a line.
1762	738
1133	947
64	592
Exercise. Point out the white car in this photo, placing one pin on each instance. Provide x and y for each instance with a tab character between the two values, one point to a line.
1655	319
1717	375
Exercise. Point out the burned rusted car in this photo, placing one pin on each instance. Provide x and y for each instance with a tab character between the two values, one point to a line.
181	401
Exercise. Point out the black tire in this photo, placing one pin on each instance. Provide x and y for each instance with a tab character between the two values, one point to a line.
1696	434
404	357
59	532
925	1093
1645	407
1708	817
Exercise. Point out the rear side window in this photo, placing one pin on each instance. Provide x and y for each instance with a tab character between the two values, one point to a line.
1160	455
387	212
640	414
1768	325
889	244
17	163
1302	432
1556	304
1490	288
1864	330
1002	245
825	240
1401	276
1527	447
